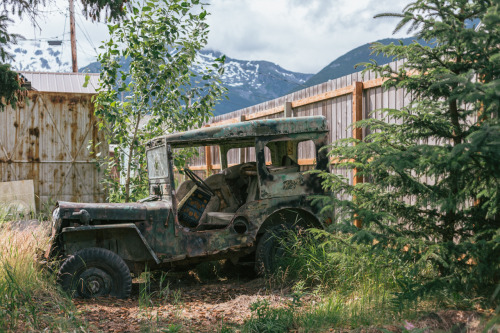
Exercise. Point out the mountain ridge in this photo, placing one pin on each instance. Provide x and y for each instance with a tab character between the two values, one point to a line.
345	64
249	82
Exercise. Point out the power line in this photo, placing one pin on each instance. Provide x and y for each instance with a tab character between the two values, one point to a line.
85	32
64	32
40	39
82	49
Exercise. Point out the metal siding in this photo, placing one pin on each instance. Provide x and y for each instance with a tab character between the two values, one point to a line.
62	82
46	140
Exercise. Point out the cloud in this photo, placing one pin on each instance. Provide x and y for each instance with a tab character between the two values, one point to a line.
299	35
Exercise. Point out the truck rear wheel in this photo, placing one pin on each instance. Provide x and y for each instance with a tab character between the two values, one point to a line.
271	248
95	272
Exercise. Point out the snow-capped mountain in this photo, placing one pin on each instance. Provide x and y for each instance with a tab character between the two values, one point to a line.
248	82
41	57
253	82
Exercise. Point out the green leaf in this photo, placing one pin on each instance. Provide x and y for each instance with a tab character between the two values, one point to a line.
87	80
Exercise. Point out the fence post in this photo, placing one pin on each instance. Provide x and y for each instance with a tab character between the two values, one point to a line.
243	118
208	158
357	132
288	110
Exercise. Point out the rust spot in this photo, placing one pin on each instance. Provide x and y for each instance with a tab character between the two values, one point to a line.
57	99
74	132
35	131
74	100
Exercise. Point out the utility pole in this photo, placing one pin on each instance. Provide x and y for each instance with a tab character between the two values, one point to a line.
72	33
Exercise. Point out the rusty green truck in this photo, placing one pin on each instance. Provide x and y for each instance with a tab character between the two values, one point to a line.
229	215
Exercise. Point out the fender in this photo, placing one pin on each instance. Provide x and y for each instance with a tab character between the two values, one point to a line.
259	211
123	239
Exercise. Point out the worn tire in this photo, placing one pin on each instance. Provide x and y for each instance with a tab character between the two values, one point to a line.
95	272
269	249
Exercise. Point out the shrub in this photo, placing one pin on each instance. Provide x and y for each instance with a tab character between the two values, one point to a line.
432	193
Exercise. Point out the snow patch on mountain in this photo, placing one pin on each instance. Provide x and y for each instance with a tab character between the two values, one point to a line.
40	57
248	82
243	72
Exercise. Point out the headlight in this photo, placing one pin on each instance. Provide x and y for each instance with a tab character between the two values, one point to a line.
55	216
56	222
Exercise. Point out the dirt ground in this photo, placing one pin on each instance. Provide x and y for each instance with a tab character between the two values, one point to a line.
186	305
189	305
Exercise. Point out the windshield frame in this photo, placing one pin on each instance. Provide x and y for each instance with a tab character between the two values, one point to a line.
161	155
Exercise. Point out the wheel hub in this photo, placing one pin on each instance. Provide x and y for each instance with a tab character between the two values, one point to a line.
95	282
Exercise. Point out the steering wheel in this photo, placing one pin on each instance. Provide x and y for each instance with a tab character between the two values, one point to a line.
198	181
248	169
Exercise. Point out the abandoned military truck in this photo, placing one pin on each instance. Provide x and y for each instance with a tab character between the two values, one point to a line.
232	214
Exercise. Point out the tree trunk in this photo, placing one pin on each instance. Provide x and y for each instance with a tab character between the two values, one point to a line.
450	217
130	156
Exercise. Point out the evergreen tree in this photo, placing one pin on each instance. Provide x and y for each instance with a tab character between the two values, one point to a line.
432	179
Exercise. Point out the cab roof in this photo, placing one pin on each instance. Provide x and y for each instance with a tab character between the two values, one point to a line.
244	133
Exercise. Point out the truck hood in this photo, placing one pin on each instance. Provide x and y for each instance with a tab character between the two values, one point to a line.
110	211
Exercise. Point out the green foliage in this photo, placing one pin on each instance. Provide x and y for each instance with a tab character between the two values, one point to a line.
432	192
332	263
329	261
168	90
112	9
340	284
5	37
11	91
268	319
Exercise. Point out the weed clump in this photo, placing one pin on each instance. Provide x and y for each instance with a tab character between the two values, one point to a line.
353	285
30	299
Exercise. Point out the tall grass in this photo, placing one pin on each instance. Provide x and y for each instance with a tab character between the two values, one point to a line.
30	299
355	286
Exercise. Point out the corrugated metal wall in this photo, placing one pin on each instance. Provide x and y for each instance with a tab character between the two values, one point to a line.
46	140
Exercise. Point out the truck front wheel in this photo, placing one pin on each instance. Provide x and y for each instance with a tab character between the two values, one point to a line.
95	272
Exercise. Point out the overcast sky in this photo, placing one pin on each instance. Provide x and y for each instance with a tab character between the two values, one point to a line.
299	35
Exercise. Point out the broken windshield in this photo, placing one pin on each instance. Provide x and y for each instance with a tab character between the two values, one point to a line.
157	163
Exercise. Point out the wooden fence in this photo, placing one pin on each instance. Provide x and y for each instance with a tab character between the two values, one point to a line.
342	101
